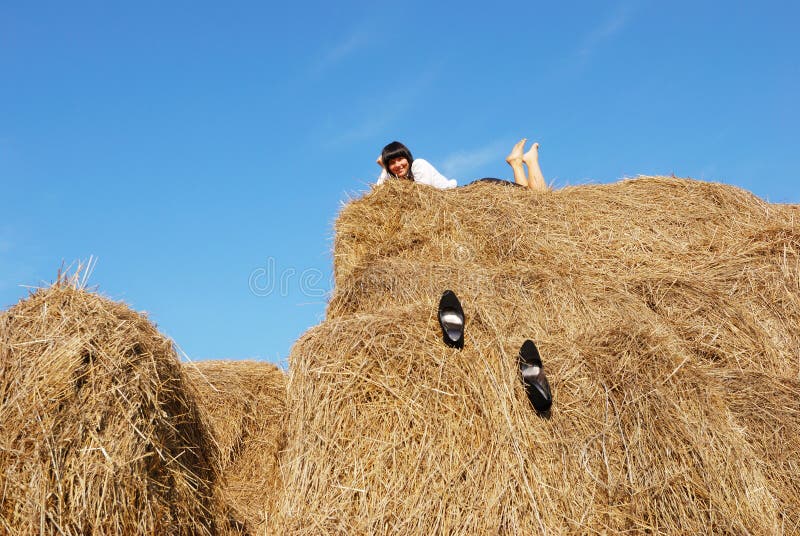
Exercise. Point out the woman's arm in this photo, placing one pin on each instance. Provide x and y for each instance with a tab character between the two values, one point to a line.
425	173
384	175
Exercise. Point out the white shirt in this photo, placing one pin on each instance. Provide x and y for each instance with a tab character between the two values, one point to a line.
425	173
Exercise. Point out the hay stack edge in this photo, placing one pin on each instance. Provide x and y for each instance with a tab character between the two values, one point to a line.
667	312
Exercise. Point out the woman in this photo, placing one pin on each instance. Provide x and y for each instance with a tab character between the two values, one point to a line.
397	163
401	165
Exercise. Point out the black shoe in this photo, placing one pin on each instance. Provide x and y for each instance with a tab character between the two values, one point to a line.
533	378
451	318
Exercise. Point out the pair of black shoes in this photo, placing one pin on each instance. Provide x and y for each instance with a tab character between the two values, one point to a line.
451	319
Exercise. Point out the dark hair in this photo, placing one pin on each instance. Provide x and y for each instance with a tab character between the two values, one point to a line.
396	150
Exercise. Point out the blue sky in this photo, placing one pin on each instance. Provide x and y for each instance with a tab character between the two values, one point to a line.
201	152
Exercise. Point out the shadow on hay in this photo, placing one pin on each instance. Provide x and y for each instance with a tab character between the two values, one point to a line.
245	403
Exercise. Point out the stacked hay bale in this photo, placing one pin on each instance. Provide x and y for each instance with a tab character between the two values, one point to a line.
244	402
667	312
98	432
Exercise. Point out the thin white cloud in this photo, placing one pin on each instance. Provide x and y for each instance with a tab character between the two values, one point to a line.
6	242
335	53
462	164
375	115
605	31
370	127
340	51
10	267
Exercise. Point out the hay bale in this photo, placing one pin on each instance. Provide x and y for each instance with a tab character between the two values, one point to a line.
773	430
244	402
654	302
97	432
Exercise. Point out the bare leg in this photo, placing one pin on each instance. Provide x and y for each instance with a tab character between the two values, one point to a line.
535	177
515	159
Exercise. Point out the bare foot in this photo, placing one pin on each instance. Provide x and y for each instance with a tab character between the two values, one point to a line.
532	156
535	177
515	156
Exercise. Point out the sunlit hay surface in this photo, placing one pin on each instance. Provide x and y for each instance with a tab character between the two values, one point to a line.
97	432
244	402
667	314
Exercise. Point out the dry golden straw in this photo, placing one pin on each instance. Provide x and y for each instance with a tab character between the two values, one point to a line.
245	404
668	318
667	312
98	434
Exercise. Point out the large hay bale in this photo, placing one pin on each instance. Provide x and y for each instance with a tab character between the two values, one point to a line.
655	302
244	403
98	434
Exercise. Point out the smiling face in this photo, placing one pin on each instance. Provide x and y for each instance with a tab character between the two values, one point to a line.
399	167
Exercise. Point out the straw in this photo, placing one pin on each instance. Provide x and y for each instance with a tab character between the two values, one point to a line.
654	302
244	403
666	311
98	434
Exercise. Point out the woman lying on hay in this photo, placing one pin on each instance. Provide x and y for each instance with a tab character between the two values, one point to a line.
399	164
